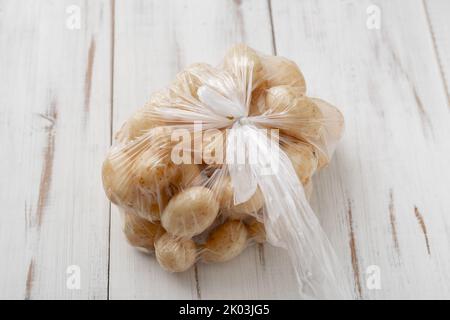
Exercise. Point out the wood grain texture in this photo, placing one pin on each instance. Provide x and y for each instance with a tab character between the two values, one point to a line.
382	200
54	131
153	41
437	12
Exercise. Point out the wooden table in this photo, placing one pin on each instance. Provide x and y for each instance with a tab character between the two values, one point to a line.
64	88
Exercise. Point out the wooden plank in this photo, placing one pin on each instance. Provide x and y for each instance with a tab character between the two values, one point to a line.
437	12
383	198
153	41
54	131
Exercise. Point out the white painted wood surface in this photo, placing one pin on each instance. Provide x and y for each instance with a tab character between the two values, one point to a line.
392	159
383	200
437	13
54	131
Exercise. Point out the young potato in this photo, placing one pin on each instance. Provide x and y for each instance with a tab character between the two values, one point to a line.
222	188
150	205
190	79
118	178
281	99
175	254
225	194
154	169
156	175
188	174
137	125
229	213
257	105
210	147
303	160
295	114
225	242
256	231
190	212
333	119
243	62
251	206
121	187
333	123
213	149
279	71
140	232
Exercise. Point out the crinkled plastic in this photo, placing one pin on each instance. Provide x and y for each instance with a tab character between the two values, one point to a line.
223	158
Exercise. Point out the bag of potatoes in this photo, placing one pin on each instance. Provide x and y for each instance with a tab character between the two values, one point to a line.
222	158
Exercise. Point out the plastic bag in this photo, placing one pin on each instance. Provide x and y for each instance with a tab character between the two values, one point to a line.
221	159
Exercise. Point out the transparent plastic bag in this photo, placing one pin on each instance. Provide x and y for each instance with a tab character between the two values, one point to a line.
221	159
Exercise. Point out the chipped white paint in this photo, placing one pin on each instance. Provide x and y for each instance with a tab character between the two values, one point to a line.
383	200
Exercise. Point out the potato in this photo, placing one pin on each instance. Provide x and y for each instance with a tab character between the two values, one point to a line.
141	232
190	212
190	79
295	114
121	186
224	191
150	205
154	168
137	125
333	123
225	194
188	175
333	118
225	242
303	160
243	62
143	119
257	105
256	231
175	254
210	147
214	147
118	178
152	176
229	213
281	99
279	71
251	206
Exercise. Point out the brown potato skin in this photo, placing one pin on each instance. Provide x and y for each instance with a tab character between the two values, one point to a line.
225	242
280	71
256	231
241	59
303	160
140	232
175	254
190	212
